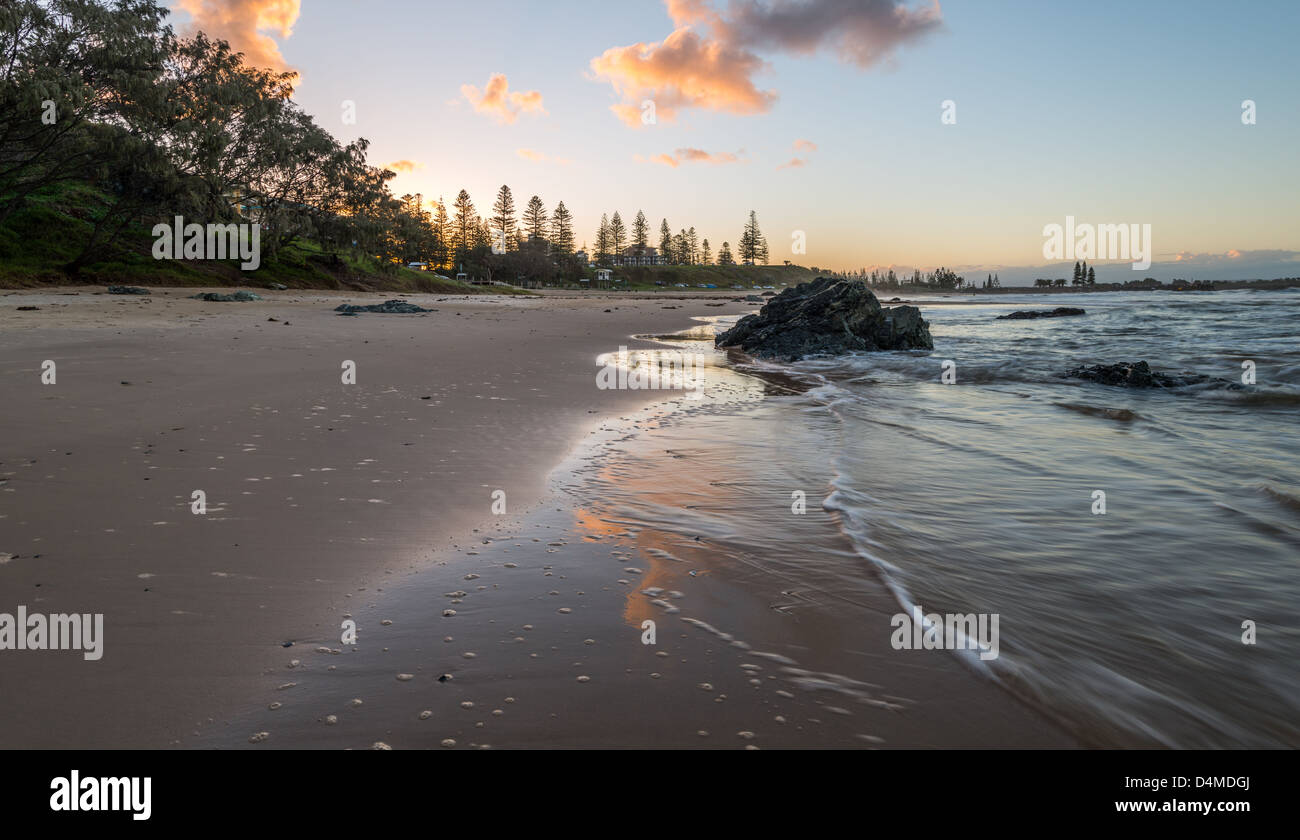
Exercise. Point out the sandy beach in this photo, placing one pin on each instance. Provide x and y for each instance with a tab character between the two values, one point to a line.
374	501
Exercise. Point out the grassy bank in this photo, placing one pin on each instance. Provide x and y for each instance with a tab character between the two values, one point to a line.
38	240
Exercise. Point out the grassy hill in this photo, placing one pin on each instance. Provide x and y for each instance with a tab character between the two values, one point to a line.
723	276
36	241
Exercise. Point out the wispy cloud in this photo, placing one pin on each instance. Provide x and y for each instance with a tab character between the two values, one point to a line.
710	59
541	157
805	147
405	166
499	101
680	156
244	23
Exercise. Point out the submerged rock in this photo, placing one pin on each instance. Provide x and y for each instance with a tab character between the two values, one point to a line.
240	296
127	290
1140	375
391	307
1058	312
827	316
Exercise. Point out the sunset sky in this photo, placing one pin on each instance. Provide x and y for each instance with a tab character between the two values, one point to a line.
824	117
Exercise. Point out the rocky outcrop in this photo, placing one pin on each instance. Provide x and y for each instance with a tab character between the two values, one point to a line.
389	307
239	296
1058	312
1140	375
827	317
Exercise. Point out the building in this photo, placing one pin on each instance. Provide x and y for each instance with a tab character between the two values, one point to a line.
647	256
604	275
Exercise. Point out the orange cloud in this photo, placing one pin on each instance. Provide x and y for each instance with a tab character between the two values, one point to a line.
404	166
794	163
682	71
244	23
680	156
804	146
715	70
499	101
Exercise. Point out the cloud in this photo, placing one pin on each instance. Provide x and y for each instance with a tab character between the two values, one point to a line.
682	71
541	157
859	32
711	57
404	166
244	24
680	156
804	146
499	101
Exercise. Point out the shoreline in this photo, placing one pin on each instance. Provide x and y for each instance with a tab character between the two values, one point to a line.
385	524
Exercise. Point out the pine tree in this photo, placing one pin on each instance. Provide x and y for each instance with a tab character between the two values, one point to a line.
602	240
692	246
1092	277
753	246
482	233
503	216
640	234
617	235
706	256
1078	274
666	241
724	255
562	230
535	219
466	223
443	228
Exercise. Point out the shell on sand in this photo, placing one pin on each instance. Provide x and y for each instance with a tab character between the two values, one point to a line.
380	745
426	714
405	677
584	679
258	737
273	706
330	720
449	742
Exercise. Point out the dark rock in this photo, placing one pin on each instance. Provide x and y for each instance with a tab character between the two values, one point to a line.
241	296
28	308
768	294
1058	312
127	290
1139	375
827	317
752	299
388	307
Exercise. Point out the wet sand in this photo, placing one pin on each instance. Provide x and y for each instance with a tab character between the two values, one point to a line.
374	501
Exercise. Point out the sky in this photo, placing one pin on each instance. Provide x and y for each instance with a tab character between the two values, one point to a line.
881	133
